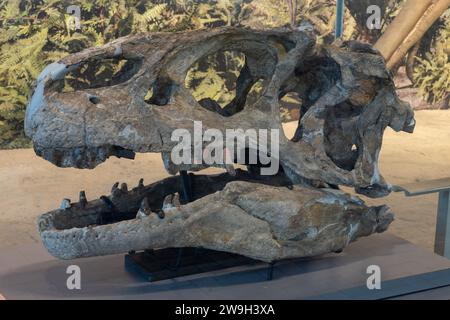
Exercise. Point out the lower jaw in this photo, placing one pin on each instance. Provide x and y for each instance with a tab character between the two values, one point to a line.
265	219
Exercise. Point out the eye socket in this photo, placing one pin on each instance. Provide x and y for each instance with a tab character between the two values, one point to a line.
214	77
222	82
98	73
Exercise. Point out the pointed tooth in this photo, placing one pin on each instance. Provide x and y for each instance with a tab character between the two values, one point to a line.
171	201
115	191
65	204
140	215
124	187
141	183
144	210
145	205
115	187
83	199
168	202
176	200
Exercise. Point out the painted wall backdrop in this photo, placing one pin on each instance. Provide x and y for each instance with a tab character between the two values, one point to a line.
36	33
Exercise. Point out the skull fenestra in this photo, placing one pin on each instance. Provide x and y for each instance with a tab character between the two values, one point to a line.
348	99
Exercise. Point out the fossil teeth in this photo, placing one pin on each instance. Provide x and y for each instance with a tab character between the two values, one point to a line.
176	200
124	187
114	187
83	199
167	203
141	215
115	191
171	202
145	205
65	204
144	210
141	183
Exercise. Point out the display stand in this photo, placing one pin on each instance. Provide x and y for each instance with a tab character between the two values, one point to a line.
157	265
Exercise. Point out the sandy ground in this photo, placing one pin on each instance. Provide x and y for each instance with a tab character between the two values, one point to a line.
31	186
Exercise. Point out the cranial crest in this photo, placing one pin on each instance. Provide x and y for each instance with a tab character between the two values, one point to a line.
348	99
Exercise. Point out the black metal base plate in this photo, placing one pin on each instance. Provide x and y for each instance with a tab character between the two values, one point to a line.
162	264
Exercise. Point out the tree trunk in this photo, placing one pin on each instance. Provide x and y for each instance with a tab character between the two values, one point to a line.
293	6
402	25
429	17
411	61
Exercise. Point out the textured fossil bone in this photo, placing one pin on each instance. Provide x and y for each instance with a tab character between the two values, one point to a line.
264	222
348	100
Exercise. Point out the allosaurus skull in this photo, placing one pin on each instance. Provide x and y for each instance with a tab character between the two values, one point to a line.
348	99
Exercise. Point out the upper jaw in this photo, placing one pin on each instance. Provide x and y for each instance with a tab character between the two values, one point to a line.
74	130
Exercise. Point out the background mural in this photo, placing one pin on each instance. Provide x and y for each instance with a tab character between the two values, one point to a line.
36	33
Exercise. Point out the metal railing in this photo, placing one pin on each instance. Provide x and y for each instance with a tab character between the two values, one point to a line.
441	186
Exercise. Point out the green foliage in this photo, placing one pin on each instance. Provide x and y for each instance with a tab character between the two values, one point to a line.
36	33
321	14
432	73
215	77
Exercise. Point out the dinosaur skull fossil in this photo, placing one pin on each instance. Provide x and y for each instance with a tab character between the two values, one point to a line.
348	100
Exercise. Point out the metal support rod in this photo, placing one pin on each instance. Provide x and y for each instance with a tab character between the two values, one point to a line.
339	29
442	239
186	186
186	190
